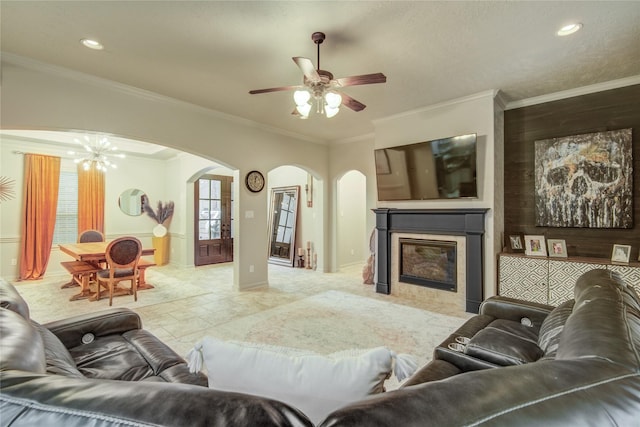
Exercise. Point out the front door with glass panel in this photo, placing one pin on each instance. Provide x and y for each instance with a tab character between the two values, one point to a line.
213	221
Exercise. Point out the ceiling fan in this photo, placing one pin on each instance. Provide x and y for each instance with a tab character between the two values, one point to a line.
320	86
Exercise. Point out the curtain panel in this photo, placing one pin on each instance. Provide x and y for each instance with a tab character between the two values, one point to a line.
90	199
41	180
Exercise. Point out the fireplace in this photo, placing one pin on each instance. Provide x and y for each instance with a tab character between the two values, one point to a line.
465	227
429	263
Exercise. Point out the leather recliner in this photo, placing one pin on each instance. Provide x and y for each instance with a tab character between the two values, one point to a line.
589	377
103	369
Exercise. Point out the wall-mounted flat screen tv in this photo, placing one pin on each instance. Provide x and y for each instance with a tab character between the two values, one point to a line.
439	169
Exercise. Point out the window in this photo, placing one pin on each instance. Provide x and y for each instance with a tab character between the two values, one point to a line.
66	229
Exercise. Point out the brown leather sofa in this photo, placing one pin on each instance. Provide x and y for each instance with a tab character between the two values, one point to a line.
526	365
103	369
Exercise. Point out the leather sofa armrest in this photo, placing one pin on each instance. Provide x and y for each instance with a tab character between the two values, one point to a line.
462	361
559	393
107	322
515	309
434	371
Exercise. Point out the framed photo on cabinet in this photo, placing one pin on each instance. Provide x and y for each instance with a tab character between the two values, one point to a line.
535	245
557	248
515	243
621	254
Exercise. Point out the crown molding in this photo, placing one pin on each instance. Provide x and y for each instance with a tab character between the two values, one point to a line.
367	136
500	99
570	93
480	95
32	64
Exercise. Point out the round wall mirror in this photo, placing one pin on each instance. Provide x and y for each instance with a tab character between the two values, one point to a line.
131	201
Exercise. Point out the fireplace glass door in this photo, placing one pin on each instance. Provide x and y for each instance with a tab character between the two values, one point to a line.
430	263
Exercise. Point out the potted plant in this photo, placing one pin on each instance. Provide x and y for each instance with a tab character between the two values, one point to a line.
160	239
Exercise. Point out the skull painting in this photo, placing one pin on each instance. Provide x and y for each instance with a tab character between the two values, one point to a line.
585	181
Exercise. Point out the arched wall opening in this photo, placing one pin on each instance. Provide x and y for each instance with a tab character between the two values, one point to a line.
161	174
65	101
310	230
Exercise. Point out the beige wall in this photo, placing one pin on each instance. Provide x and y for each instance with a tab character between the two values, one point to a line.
352	237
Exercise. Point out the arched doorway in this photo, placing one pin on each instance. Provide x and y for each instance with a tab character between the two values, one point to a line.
309	218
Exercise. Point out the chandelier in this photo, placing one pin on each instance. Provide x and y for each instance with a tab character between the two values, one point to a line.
98	152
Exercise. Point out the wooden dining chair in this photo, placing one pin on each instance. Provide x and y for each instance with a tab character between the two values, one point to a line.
78	268
123	255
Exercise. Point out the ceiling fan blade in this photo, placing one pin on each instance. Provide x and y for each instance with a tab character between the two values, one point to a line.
349	102
274	89
365	79
307	68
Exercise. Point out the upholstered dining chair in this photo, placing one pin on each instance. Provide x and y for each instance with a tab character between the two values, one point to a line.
123	255
89	236
86	236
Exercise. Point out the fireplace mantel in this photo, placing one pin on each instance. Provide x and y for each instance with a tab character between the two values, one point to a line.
456	222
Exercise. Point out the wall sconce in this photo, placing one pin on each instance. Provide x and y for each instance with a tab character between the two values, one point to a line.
308	189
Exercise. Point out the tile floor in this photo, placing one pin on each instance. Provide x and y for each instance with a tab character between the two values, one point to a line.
189	301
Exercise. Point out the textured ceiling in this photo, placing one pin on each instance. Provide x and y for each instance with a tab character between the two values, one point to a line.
211	53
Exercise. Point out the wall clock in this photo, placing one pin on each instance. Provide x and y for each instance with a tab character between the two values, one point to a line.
255	181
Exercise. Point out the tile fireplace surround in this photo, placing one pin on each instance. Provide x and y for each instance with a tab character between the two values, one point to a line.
465	224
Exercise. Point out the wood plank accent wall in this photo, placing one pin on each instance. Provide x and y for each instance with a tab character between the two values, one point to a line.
597	112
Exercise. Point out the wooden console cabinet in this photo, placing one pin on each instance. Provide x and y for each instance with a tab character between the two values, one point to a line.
551	280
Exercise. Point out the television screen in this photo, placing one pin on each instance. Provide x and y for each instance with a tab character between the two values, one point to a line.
439	169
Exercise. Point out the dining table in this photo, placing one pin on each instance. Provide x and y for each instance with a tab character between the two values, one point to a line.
94	253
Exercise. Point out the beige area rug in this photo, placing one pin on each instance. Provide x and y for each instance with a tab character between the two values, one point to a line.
334	321
47	302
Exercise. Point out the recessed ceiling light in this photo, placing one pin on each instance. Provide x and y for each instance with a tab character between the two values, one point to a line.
569	29
92	44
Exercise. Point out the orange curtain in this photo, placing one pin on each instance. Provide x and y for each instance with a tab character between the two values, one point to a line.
90	199
41	181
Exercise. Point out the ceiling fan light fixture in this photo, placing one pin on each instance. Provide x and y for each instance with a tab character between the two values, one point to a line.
304	110
331	111
333	99
318	86
301	97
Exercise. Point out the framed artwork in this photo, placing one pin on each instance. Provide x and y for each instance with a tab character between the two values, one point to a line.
535	245
585	181
515	243
557	248
621	253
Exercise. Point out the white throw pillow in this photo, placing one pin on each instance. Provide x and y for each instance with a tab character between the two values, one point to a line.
315	384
